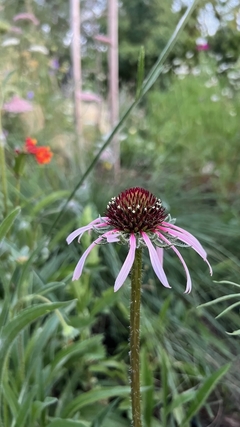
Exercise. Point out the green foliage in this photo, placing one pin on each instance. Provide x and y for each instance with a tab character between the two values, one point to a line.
64	358
7	222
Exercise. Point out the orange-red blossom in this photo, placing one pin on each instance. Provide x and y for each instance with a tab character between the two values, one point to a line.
43	154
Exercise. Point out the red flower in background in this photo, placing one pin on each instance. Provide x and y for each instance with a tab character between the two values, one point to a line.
43	154
30	145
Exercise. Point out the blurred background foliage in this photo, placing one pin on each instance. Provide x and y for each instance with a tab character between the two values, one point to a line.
70	367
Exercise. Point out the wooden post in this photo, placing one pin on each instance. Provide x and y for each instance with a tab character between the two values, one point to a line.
113	78
76	63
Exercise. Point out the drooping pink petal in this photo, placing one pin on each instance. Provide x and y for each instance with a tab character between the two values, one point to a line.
81	230
102	38
89	97
79	267
156	264
27	16
181	233
189	281
127	265
160	254
187	238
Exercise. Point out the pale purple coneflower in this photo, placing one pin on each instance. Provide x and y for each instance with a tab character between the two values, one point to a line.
26	16
137	218
17	105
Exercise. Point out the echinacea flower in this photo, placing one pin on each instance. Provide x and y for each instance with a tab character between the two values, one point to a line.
17	105
137	218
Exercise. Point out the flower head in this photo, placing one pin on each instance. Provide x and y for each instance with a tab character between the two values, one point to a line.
42	154
17	105
202	44
137	218
30	145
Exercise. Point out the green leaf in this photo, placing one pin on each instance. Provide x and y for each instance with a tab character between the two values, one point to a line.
20	161
147	380
58	422
10	396
203	393
140	72
85	347
25	317
215	301
38	407
237	332
164	380
93	396
8	76
5	309
108	298
228	309
227	282
50	287
8	221
180	400
24	410
158	66
48	200
101	417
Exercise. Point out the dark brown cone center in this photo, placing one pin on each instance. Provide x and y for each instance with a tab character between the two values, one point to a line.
135	210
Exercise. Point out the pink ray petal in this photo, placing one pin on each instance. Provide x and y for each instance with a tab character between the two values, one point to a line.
127	265
189	239
79	267
180	232
27	16
155	261
189	281
112	236
81	230
160	254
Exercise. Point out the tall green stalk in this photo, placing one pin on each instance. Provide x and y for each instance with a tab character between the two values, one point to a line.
3	169
135	338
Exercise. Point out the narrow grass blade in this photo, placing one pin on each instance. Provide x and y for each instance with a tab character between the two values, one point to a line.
227	282
147	380
98	421
24	318
92	396
58	422
157	68
215	301
140	72
48	200
8	221
203	393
